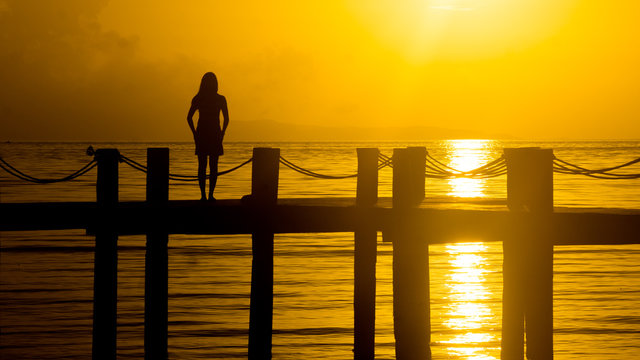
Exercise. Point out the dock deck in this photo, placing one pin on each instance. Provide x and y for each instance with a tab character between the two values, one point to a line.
439	220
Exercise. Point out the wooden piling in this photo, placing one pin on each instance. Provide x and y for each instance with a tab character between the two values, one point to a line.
418	159
105	281
513	285
157	258
264	194
365	254
367	183
411	303
528	255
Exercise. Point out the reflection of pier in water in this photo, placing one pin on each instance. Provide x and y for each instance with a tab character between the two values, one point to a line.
527	224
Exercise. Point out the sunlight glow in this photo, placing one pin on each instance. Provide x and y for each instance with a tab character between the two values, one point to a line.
453	5
467	155
467	293
470	353
423	30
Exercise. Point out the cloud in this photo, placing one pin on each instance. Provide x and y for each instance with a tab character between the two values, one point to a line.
64	78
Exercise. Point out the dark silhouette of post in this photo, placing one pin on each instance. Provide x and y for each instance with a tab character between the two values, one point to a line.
528	255
367	183
411	303
264	194
365	254
105	281
157	258
417	155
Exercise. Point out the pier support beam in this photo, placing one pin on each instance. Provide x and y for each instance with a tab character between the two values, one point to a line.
528	256
411	299
264	194
365	256
157	257
105	281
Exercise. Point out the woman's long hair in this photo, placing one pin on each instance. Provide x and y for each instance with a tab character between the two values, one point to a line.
208	85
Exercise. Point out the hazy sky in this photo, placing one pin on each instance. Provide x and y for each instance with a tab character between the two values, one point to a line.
100	70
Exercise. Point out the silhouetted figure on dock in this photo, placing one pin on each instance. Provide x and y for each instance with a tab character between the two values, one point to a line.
208	135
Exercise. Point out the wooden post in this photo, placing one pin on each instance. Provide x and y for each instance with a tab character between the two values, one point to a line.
105	281
409	177
411	303
513	285
264	193
157	258
401	179
418	158
365	254
528	255
367	185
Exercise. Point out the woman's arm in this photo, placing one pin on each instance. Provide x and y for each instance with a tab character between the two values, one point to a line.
225	115
192	110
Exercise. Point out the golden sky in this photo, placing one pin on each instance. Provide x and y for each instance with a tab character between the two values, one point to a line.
99	70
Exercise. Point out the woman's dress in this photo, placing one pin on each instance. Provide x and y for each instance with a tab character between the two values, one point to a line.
208	133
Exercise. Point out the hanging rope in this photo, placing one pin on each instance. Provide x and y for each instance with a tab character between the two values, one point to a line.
22	176
306	172
565	167
384	161
136	165
438	170
195	177
433	169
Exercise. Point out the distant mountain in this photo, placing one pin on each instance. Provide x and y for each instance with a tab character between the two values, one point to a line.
279	131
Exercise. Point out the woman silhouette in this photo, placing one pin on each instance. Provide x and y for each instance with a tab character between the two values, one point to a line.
208	135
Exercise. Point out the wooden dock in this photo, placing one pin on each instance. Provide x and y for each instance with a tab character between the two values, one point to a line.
436	223
526	223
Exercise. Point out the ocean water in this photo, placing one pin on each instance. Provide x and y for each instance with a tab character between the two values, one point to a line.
46	278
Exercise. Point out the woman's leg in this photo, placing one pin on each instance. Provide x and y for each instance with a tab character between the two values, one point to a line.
213	168
202	175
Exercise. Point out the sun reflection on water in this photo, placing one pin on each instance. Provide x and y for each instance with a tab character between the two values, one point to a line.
467	311
467	155
469	323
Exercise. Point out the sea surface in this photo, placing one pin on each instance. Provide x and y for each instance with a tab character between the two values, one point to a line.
46	277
